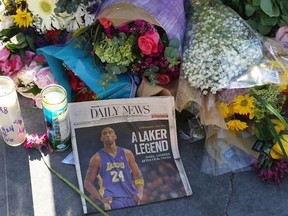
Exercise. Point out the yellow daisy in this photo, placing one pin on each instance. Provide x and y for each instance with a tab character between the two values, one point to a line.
223	108
243	104
236	124
279	126
22	18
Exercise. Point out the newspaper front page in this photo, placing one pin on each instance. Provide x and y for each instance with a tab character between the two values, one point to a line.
126	152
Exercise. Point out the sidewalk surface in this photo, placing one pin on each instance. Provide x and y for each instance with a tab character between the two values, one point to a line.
28	188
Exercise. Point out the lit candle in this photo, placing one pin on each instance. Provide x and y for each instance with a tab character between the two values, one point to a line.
55	109
11	121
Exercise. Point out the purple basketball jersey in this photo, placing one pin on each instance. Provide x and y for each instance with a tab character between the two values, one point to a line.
116	175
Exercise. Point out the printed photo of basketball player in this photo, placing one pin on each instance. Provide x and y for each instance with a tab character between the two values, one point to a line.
114	169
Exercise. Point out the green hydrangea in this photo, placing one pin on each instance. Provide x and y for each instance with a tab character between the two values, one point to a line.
118	50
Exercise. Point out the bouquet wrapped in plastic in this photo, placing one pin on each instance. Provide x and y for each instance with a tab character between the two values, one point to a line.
237	80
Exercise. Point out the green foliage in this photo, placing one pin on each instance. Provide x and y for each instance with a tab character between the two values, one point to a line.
68	5
118	50
112	70
264	16
151	73
172	53
16	41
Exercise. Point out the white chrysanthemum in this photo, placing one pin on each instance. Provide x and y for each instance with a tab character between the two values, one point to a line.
44	16
81	17
2	9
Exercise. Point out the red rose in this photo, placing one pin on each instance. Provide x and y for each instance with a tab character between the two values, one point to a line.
148	43
105	23
163	79
51	34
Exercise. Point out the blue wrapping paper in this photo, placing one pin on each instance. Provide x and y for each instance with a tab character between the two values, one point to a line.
82	64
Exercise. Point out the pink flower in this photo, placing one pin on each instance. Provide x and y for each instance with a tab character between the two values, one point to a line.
29	55
148	43
282	34
139	22
4	53
16	63
36	141
5	67
124	28
44	77
163	79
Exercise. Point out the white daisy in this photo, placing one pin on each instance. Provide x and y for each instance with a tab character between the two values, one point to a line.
44	15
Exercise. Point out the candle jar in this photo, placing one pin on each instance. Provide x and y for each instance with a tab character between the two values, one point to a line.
55	109
11	121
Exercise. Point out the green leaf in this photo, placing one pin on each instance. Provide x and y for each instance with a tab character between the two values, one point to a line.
171	52
31	43
264	30
252	23
34	90
268	21
283	7
278	115
18	38
256	2
174	42
249	10
270	8
285	19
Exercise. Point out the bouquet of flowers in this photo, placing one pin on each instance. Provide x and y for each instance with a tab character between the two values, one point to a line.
137	47
238	81
136	43
26	25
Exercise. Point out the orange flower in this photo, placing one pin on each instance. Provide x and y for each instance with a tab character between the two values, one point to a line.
105	22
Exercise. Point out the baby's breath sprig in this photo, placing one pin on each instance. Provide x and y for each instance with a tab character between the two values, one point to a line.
219	46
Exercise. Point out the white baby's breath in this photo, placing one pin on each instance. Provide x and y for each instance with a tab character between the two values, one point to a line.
219	46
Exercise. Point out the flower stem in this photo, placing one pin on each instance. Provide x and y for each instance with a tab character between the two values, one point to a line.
72	186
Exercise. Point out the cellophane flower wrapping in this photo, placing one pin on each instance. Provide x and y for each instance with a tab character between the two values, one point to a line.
225	62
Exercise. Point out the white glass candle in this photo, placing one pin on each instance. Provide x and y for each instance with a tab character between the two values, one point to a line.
11	121
55	109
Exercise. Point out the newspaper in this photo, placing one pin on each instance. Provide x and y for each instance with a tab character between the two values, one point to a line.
126	152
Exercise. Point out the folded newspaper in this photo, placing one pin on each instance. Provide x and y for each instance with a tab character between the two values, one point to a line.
126	152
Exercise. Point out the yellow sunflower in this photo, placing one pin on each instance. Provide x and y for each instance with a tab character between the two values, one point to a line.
22	18
236	124
276	152
243	104
278	125
223	108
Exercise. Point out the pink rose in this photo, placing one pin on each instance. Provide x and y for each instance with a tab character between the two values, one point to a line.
148	43
163	79
282	34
